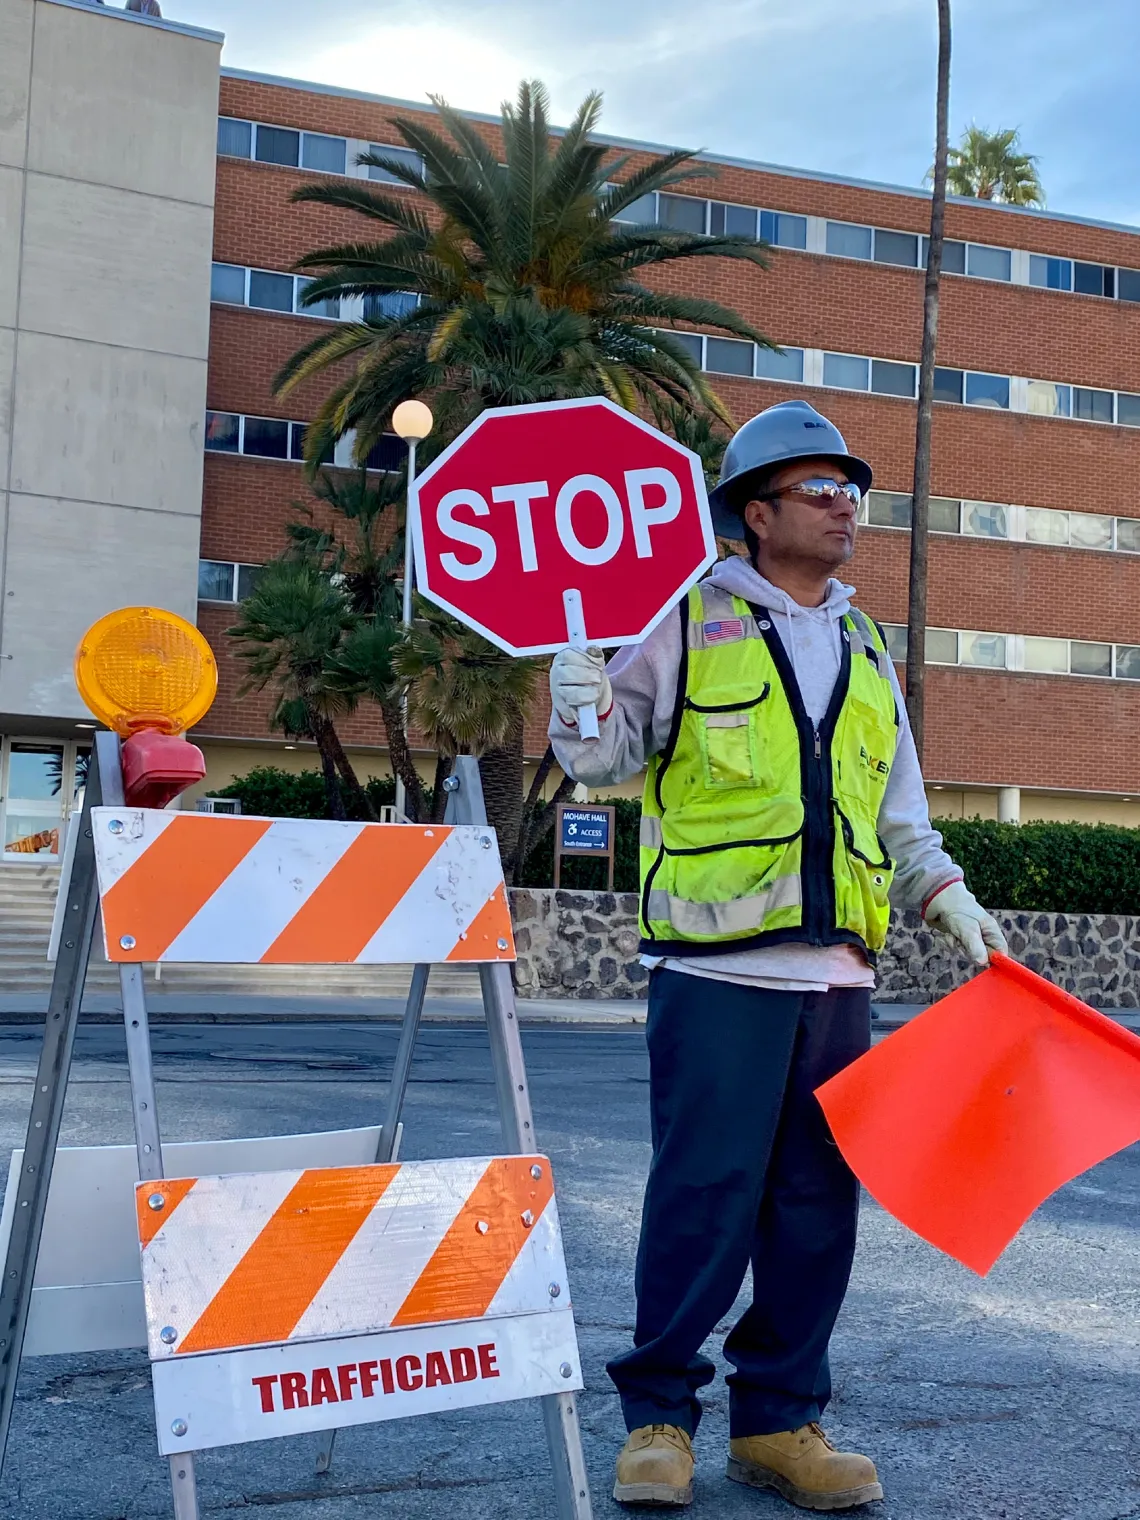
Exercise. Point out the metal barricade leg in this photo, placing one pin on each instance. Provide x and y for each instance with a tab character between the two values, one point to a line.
390	1131
144	1110
70	972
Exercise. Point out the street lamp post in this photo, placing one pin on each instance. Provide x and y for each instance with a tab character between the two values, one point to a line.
412	420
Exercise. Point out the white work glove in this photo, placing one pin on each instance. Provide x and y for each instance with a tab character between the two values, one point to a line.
577	679
958	914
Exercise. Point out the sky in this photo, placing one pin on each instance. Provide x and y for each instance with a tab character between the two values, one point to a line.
838	86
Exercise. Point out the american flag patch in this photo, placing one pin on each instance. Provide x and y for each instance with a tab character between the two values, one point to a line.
726	628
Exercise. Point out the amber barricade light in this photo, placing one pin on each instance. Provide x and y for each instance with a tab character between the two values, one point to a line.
149	675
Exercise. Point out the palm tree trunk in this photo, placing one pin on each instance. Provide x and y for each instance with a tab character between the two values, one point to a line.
542	823
443	765
502	775
400	758
920	513
351	780
320	728
530	806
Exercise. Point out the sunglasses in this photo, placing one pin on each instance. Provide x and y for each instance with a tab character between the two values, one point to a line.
820	493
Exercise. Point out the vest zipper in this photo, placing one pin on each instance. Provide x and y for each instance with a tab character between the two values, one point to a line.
818	743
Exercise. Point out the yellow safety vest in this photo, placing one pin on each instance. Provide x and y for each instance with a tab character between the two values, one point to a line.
757	827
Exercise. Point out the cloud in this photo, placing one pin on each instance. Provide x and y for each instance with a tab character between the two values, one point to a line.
818	84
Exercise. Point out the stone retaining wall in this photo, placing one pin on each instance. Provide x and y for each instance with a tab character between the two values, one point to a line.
584	945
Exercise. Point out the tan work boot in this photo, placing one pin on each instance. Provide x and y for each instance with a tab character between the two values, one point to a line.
655	1466
804	1467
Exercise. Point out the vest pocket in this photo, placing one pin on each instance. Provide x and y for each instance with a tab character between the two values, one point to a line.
863	875
729	740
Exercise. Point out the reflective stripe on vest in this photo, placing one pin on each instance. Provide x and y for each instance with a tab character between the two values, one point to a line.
757	826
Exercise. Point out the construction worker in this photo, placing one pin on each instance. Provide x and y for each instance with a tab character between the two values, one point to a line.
783	802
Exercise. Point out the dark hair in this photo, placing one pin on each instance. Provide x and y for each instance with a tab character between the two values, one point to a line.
755	486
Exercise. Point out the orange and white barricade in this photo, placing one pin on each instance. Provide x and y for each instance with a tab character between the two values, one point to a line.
299	1284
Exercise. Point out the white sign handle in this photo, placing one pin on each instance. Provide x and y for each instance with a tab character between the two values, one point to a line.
576	635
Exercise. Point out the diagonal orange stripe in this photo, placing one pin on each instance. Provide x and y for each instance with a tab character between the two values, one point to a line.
276	1280
469	1264
172	1191
491	924
157	896
343	913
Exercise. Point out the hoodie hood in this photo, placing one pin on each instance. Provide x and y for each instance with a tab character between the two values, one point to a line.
809	634
740	577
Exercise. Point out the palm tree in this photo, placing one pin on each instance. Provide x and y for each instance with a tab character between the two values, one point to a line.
289	630
524	274
526	282
920	509
990	166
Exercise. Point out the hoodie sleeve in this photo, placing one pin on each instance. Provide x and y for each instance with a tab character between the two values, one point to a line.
922	866
644	682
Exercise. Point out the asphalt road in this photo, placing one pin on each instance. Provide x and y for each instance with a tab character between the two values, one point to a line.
1013	1398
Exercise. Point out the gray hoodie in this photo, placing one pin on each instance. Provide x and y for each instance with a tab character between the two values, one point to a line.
644	681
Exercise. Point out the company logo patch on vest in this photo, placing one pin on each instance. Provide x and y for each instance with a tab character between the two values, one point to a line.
223	1400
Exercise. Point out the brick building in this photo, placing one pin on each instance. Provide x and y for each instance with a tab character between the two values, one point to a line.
1034	645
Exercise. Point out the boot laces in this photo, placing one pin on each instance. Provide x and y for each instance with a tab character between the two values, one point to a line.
817	1430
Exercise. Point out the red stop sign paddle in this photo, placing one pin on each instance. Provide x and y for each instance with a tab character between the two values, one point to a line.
566	521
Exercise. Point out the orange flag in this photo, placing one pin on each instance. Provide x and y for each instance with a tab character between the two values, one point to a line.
967	1118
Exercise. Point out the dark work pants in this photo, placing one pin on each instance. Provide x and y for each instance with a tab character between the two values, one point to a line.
744	1168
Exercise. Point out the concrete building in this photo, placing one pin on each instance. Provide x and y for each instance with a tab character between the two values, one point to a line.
1034	686
107	136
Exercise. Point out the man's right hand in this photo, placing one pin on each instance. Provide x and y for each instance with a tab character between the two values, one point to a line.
578	679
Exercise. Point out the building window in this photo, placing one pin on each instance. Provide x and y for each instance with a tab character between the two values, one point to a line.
1127	409
265	437
732	221
327	306
728	356
985	519
896	247
846	371
388	454
941	646
984	649
1127	666
1043	526
389	304
1050	274
403	156
945	515
640	213
1089	659
1094	279
948	384
328	155
1128	534
247	578
891	379
888	509
1047	656
849	240
691	343
987	390
277	145
896	637
235	138
783	230
953	255
271	292
1088	530
223	432
788	365
1128	284
215	581
683	213
1092	406
227	283
1048	400
986	263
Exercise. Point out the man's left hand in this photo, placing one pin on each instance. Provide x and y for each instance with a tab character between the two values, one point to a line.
957	913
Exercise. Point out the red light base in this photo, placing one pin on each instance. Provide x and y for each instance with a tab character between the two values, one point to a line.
159	767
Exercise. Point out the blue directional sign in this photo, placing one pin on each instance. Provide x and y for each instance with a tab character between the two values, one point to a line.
585	829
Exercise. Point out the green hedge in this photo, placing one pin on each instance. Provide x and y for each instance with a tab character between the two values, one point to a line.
1038	867
1048	867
